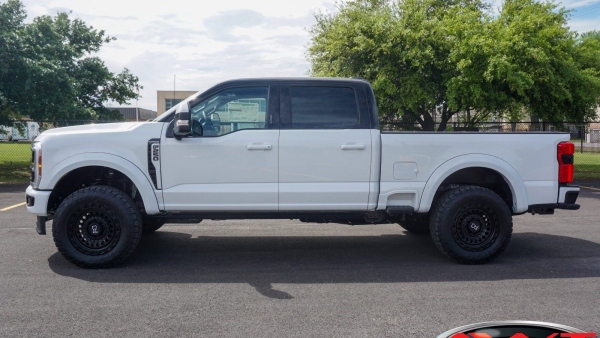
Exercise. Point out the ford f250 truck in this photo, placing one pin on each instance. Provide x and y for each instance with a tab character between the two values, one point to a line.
299	148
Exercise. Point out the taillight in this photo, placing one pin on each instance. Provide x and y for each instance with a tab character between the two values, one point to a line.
565	153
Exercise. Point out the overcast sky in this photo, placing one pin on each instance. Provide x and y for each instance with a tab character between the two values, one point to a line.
206	42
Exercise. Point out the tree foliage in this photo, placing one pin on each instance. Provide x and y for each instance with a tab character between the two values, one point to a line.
48	71
433	59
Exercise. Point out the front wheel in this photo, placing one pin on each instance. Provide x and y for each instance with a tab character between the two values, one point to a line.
471	225
97	227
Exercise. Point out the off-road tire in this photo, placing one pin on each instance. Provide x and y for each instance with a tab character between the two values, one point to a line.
151	224
97	227
471	225
417	224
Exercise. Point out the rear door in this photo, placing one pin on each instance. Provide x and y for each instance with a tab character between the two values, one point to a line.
324	147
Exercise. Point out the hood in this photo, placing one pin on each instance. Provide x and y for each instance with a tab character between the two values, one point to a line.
90	129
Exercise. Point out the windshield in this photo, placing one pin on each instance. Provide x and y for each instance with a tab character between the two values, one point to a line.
164	115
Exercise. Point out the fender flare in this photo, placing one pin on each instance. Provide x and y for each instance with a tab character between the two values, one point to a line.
510	175
133	172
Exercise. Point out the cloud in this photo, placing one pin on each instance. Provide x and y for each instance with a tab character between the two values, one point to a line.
220	26
164	34
584	25
584	16
201	70
204	43
288	40
577	3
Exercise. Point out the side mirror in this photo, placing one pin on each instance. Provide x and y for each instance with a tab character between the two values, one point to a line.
183	121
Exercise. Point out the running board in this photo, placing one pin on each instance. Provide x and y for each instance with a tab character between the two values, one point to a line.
400	210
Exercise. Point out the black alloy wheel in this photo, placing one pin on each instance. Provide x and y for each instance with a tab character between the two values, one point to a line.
97	227
471	224
93	229
476	226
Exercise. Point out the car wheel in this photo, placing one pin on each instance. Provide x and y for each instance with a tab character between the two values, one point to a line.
471	225
97	227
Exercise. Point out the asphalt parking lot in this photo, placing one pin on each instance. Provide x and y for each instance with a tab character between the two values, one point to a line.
276	278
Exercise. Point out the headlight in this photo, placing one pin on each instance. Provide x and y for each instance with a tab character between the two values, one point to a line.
36	164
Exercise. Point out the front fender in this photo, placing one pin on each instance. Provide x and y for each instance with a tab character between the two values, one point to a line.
512	177
134	173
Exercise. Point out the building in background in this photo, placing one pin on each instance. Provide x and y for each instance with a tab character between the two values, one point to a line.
136	114
166	99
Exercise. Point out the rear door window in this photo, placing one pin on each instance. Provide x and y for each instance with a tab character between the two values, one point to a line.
323	108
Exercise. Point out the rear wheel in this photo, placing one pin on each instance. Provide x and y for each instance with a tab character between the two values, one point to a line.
471	225
97	227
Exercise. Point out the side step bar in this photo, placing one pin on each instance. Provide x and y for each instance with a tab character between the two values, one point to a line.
400	210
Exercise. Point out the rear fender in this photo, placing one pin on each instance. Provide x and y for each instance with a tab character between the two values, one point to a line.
510	175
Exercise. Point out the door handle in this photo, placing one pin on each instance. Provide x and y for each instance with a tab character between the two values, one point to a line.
258	147
352	146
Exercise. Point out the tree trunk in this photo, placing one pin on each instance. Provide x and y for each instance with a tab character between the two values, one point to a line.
446	116
425	120
469	122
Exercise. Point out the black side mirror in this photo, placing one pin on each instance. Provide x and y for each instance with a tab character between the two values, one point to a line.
183	121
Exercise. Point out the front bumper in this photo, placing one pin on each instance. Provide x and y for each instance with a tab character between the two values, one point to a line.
37	201
37	204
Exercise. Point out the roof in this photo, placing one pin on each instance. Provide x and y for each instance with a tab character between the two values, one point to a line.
293	79
260	81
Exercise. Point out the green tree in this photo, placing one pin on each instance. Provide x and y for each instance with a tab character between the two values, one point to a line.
586	98
11	15
48	72
433	59
537	60
357	41
411	51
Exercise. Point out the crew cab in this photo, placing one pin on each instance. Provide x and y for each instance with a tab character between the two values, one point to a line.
290	148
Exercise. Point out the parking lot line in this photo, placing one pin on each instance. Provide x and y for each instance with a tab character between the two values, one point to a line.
13	206
589	188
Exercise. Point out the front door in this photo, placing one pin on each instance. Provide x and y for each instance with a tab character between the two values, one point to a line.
231	161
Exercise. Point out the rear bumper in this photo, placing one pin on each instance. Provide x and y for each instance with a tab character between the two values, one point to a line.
567	196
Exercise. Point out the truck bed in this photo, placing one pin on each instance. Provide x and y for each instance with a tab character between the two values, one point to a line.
412	163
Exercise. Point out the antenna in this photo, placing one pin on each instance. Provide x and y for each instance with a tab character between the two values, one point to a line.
173	89
137	109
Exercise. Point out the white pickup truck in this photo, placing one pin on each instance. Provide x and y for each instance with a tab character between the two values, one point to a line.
298	148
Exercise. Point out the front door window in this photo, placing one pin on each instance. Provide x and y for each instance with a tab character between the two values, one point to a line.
231	110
